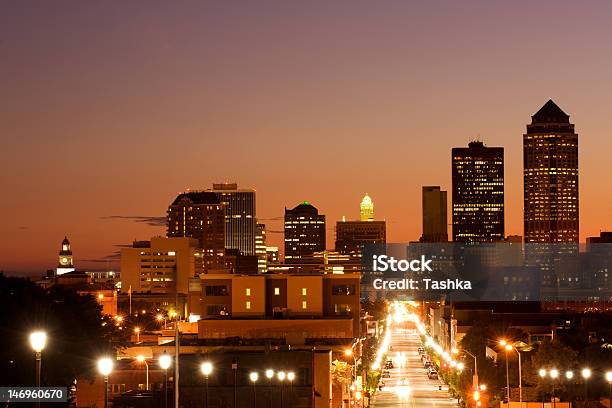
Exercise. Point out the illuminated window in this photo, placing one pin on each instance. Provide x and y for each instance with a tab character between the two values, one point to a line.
248	291
276	291
304	291
248	305
304	305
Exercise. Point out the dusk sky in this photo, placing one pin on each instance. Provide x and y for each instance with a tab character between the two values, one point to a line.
112	108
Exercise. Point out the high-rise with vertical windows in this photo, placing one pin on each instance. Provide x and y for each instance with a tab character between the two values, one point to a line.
478	193
239	216
304	232
550	172
435	217
260	248
200	215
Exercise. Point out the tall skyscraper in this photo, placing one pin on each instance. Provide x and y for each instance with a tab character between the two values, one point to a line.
304	232
366	209
550	158
239	216
435	217
478	193
200	215
351	236
260	248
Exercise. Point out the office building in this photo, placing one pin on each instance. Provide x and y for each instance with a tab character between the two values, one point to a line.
240	222
292	307
260	248
304	232
435	217
366	209
200	215
478	193
351	236
272	255
160	265
550	157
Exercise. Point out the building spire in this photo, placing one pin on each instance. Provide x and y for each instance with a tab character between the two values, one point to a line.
366	209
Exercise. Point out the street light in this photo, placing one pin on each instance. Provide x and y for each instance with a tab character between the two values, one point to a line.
505	345
569	375
105	366
137	331
281	377
586	374
206	368
141	359
38	340
609	380
253	376
164	362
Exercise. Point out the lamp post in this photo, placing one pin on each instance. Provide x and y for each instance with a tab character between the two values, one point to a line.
141	359
609	380
206	368
137	331
554	374
586	374
269	376
105	366
38	340
509	347
349	353
281	377
290	378
164	362
542	374
253	376
475	380
503	343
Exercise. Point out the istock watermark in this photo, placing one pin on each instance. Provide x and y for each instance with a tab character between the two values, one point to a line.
384	263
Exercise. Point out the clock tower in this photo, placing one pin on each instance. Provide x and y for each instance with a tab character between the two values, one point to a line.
65	264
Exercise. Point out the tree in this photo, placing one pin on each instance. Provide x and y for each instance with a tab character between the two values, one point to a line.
549	355
77	333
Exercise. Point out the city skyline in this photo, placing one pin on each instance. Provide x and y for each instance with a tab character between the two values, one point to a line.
349	100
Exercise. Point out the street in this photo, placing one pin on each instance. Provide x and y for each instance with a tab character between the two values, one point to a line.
409	386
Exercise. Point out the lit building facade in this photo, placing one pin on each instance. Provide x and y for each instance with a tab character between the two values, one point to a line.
160	265
240	221
550	157
200	215
294	307
304	232
65	261
260	248
351	236
435	218
478	193
366	209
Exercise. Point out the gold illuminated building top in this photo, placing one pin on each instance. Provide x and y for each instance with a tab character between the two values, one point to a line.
366	209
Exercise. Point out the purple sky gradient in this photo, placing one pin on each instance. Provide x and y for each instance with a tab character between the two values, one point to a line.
111	108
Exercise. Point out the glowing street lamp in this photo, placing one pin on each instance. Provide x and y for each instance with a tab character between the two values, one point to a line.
281	377
569	375
586	374
206	368
164	362
105	366
38	341
609	380
137	331
253	376
141	359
